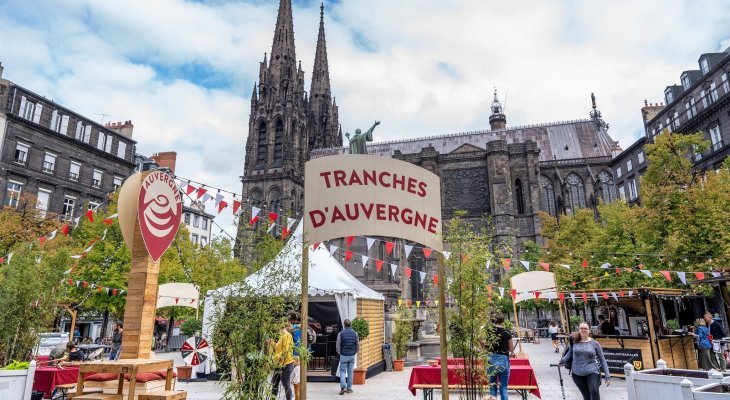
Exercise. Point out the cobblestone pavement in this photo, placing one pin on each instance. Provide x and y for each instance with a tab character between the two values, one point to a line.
394	385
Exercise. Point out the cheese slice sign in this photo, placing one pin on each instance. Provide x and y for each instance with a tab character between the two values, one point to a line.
159	212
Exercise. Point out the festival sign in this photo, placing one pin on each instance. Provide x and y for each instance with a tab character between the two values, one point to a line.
371	195
159	211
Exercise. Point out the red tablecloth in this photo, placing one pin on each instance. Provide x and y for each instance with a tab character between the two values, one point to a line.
47	378
460	361
518	375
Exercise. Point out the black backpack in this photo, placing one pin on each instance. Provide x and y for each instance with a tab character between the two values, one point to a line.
569	363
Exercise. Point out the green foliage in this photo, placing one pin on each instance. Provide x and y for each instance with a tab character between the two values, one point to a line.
574	322
508	325
402	332
17	365
672	324
191	327
361	327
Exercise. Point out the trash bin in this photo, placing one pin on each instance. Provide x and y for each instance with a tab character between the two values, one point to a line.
334	365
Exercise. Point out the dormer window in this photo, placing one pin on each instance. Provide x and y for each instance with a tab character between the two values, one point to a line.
704	65
685	82
668	95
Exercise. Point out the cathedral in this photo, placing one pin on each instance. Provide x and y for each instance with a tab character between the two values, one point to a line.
505	173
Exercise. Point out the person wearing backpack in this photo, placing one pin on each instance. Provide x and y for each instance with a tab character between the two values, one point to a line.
586	358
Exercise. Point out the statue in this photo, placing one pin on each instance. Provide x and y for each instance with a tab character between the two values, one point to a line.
357	143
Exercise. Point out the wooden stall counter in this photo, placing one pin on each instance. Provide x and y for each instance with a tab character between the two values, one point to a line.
120	368
677	350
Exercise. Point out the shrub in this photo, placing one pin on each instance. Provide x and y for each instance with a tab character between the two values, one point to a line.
361	327
190	327
402	332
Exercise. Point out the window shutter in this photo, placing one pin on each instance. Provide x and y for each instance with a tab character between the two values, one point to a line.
64	125
23	105
54	119
79	130
121	149
109	141
87	134
37	114
100	141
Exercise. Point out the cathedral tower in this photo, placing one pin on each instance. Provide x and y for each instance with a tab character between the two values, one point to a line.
497	120
323	116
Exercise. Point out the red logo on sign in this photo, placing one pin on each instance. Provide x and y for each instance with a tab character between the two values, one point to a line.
159	212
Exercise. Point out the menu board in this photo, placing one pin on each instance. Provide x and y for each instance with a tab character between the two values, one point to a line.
617	358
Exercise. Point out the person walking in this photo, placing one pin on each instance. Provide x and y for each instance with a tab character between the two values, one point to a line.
116	341
501	349
347	345
586	355
283	357
553	330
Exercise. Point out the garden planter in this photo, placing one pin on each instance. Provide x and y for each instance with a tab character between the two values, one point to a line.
358	378
664	383
17	384
398	365
184	372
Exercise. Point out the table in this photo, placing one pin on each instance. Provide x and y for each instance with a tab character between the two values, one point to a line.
47	378
121	367
520	375
460	361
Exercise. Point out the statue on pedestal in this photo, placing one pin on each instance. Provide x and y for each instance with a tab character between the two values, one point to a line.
357	143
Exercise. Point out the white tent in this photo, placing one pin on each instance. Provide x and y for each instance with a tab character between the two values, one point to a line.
328	281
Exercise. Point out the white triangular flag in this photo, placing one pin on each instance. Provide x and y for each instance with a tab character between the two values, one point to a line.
631	293
104	235
572	297
68	272
365	261
255	212
423	275
393	269
550	296
408	249
289	222
107	290
614	296
183	184
76	221
88	249
333	249
76	257
566	266
206	198
271	226
501	292
595	296
52	235
682	277
10	257
489	263
370	242
715	274
78	283
218	199
647	273
113	216
525	264
446	254
38	259
606	265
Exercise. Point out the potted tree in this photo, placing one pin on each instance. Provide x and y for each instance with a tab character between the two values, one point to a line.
401	334
362	328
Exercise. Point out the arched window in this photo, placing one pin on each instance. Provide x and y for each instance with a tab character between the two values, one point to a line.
607	188
576	192
274	200
262	146
279	144
547	198
519	197
256	199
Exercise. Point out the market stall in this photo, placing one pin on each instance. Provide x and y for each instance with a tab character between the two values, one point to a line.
640	317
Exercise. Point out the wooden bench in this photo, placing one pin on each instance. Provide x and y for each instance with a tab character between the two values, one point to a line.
72	395
164	395
99	396
523	390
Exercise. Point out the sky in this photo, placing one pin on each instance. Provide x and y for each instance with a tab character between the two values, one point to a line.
183	71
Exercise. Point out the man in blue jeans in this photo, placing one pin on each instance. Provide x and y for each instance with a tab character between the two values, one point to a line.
347	346
501	349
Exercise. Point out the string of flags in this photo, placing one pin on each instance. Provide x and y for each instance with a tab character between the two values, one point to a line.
98	288
180	300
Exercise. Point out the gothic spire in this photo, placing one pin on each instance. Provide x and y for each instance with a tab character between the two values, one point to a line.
283	46
320	73
497	120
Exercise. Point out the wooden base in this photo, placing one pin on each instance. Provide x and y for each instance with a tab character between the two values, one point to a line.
99	396
165	395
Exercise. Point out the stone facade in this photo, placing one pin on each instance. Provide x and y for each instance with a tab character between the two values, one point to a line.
67	161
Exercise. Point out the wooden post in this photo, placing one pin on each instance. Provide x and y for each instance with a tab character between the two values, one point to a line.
141	306
442	331
517	324
652	333
304	323
73	314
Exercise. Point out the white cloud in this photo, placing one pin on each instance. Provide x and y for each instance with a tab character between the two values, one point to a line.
183	71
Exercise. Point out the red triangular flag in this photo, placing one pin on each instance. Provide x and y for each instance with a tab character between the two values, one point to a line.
90	215
273	217
108	221
190	189
621	293
221	206
348	255
585	263
618	271
284	232
666	275
201	192
604	295
435	279
513	292
177	299
253	220
64	229
98	289
573	283
236	205
114	292
585	297
489	288
348	240
537	295
427	252
378	265
42	240
700	275
506	262
561	297
70	282
408	272
316	245
544	265
409	302
389	247
86	284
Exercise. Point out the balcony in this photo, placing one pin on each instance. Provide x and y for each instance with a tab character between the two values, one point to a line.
717	146
20	161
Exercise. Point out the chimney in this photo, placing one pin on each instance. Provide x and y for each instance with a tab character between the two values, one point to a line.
123	128
166	159
1	70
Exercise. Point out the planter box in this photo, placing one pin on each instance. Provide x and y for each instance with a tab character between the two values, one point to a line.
713	391
664	383
17	384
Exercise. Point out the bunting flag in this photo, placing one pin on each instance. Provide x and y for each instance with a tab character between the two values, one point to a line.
418	303
348	255
408	272
64	229
545	265
700	275
585	297
370	242
42	240
631	293
613	294
537	295
221	205
666	275
423	276
408	249
489	263
561	297
108	221
501	292
365	261
393	270
285	230
254	215
682	277
513	293
333	249
400	302
389	247
183	184
606	265
447	254
595	297
647	273
190	189
584	263
426	252
378	265
206	198
273	217
506	263
525	264
714	274
90	215
436	282
52	235
315	246
550	296
348	240
604	295
572	297
201	192
566	266
236	206
271	226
